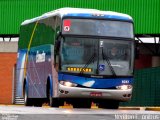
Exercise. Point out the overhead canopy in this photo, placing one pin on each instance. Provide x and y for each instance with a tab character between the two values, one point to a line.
145	13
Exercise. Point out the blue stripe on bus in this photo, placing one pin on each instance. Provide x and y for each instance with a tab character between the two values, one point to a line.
85	15
95	82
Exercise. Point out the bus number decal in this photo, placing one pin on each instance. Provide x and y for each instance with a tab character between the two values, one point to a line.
67	24
125	81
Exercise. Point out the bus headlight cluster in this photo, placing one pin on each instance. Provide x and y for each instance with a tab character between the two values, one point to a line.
124	87
68	84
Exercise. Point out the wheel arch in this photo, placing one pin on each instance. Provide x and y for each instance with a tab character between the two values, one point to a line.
49	86
25	85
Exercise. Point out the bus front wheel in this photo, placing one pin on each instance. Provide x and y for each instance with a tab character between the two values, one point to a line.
54	102
81	103
107	104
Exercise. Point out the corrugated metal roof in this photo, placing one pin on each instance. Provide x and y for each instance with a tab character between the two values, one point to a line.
145	13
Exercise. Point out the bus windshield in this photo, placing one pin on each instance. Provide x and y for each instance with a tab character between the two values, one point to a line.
88	54
98	28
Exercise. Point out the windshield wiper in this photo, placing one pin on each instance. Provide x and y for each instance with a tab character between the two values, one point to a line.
105	57
91	59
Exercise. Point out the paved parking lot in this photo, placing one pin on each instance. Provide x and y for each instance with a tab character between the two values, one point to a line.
48	113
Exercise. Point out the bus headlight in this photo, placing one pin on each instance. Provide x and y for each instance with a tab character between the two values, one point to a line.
124	87
68	84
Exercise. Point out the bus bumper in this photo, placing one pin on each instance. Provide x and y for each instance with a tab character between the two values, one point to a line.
77	92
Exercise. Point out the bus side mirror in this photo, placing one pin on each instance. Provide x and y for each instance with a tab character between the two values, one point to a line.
58	40
57	46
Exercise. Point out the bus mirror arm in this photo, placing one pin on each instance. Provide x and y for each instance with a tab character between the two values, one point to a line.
59	35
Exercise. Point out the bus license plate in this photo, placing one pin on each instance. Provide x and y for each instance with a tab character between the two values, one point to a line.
97	94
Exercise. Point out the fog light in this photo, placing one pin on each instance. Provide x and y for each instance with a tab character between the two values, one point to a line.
68	84
124	95
124	87
62	91
129	95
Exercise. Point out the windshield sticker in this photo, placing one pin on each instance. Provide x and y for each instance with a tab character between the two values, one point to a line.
101	43
67	24
101	67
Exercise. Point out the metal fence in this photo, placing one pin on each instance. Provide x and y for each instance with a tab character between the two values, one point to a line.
146	90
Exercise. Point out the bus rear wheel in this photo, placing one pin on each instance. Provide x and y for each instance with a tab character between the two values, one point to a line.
27	101
107	104
37	102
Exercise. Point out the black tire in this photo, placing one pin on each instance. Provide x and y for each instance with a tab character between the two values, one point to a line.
108	104
81	103
37	102
55	102
27	101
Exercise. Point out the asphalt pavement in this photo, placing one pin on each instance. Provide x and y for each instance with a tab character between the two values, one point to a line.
48	113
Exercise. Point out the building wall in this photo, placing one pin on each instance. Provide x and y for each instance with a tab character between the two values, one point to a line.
8	56
7	61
